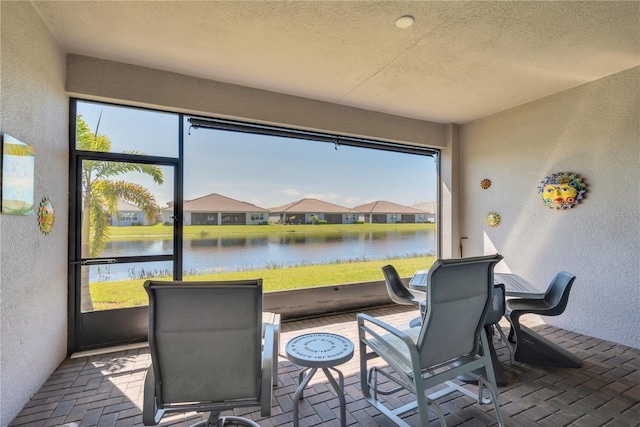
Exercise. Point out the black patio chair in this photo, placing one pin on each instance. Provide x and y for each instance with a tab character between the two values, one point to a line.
531	347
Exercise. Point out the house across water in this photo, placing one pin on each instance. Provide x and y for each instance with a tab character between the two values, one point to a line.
215	209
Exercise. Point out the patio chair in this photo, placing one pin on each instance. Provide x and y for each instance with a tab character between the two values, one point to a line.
446	345
207	349
400	294
531	347
495	314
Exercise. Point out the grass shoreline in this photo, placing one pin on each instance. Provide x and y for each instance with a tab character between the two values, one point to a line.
130	293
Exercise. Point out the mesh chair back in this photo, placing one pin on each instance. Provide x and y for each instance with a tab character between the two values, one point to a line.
557	295
458	295
497	307
205	340
397	291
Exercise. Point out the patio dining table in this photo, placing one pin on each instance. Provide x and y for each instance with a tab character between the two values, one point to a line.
514	285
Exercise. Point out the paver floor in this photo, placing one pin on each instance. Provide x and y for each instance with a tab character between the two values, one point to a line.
107	389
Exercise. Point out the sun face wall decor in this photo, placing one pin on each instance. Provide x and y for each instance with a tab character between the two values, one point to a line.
485	183
492	219
46	216
562	190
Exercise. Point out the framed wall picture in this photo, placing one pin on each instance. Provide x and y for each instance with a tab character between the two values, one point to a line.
18	166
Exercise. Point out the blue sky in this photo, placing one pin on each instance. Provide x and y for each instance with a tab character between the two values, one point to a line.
263	170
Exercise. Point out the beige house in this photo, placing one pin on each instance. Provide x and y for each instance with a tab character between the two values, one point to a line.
306	211
383	212
128	214
429	208
215	209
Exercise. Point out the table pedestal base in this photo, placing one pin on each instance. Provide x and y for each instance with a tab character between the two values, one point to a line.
338	386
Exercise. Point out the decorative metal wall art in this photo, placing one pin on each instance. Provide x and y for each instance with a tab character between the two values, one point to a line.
485	183
46	216
492	219
562	190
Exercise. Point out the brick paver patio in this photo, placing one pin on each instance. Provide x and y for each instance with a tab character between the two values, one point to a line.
106	389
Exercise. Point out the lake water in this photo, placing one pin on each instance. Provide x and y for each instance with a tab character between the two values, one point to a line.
268	251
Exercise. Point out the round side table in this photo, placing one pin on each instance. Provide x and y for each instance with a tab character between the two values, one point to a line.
324	351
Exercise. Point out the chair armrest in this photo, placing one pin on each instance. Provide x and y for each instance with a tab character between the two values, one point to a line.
149	408
401	354
273	319
266	385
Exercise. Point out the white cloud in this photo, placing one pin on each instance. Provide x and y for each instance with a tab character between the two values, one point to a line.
352	201
290	192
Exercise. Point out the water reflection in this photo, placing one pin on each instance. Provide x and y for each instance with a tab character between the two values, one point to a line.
283	249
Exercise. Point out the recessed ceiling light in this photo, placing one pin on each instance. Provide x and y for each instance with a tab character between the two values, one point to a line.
405	21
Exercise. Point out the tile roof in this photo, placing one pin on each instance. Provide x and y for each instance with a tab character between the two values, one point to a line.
310	206
384	207
217	203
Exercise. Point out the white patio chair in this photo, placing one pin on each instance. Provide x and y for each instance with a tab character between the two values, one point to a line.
445	346
207	350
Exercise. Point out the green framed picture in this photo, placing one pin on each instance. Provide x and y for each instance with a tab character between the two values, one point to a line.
18	166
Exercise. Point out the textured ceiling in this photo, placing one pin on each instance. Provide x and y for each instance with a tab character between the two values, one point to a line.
460	60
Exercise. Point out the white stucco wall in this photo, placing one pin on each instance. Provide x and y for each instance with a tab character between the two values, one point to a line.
593	131
33	266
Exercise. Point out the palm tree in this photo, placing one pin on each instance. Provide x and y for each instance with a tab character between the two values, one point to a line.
100	195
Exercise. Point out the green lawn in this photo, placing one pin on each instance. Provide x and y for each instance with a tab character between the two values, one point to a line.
129	293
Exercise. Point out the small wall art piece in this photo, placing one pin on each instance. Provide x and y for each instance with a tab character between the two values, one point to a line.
485	183
18	160
492	219
46	216
562	190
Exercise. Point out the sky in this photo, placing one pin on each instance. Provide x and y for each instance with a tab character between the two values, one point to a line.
264	170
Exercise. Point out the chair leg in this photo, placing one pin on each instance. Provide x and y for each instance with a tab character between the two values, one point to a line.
514	321
490	382
238	421
433	405
151	414
507	343
216	420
